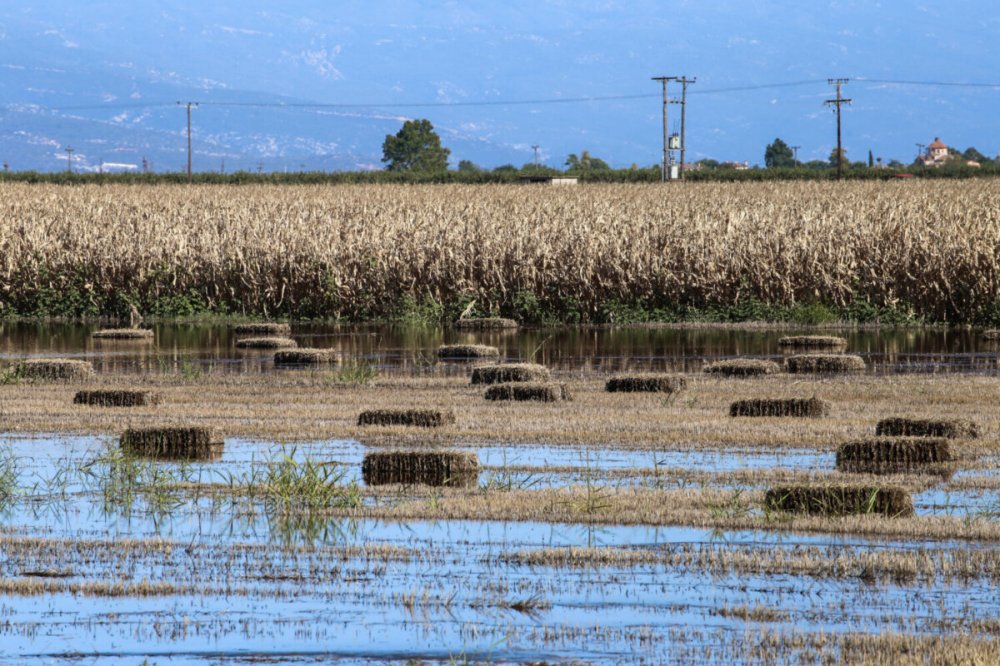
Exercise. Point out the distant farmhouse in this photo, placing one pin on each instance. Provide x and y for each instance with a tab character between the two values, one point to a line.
937	154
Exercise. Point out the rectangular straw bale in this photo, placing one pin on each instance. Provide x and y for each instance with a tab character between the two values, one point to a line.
431	468
421	418
173	443
304	356
813	341
262	328
528	391
824	363
894	455
742	367
123	334
116	398
840	500
266	343
781	407
485	323
646	383
55	369
510	372
950	428
466	352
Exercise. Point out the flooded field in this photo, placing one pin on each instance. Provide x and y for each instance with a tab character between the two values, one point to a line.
613	528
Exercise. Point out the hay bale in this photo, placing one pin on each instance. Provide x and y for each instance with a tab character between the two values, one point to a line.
485	324
178	443
791	407
527	391
824	363
742	367
421	418
429	468
467	352
54	369
262	328
510	372
992	334
840	500
304	356
648	383
116	398
894	456
266	343
123	334
950	428
813	342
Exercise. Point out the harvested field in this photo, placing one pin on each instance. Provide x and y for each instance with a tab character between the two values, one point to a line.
303	356
510	372
894	455
467	352
840	500
173	443
263	328
431	468
742	367
813	341
528	391
824	364
648	383
55	369
485	324
116	398
950	428
421	418
123	334
266	343
781	407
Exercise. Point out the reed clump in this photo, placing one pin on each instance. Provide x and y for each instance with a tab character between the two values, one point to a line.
781	407
266	343
528	391
173	443
303	356
116	398
646	383
895	455
123	334
420	418
823	364
840	500
55	369
485	324
510	372
742	367
431	468
950	428
467	352
991	334
813	342
263	328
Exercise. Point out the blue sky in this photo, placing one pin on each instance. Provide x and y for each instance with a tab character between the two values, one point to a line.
80	73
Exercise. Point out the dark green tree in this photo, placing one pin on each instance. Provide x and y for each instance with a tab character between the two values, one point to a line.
871	159
778	154
843	157
416	147
468	166
585	162
974	155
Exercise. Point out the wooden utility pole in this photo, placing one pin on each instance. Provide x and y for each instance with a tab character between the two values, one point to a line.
664	169
683	102
795	154
189	105
69	158
838	102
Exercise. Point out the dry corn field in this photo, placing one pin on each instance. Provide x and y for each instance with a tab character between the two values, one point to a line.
358	252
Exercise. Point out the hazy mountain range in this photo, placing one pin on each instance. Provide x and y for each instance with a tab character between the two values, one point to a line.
104	78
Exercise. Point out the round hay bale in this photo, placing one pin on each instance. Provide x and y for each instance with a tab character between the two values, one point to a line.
262	328
894	456
647	383
992	334
485	324
467	352
145	334
824	364
304	356
54	369
528	391
950	428
510	372
742	367
116	398
266	343
458	469
813	342
840	500
781	407
173	443
421	418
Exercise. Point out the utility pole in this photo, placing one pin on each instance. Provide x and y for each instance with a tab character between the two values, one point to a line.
920	149
6	167
664	170
795	154
838	102
683	102
189	105
260	167
69	158
535	148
